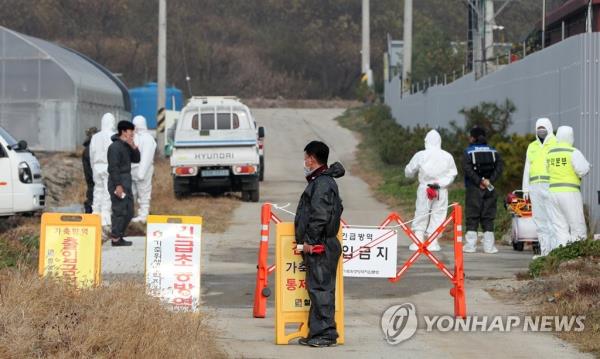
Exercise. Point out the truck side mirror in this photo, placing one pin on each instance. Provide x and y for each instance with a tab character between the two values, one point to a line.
261	132
22	145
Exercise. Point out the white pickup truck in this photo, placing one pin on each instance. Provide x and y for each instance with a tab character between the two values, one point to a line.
216	148
21	187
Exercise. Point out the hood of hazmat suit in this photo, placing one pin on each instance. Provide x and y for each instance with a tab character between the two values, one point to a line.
147	146
565	134
433	164
100	142
545	123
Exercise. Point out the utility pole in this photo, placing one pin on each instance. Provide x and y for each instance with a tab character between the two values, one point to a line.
543	24
162	69
488	43
366	46
407	54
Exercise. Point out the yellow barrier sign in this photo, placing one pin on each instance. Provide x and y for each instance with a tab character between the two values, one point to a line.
70	248
291	298
173	260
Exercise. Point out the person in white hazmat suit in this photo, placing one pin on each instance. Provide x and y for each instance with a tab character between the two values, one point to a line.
142	172
536	181
436	170
99	161
566	166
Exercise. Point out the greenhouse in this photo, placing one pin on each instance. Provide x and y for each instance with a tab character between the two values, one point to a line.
50	95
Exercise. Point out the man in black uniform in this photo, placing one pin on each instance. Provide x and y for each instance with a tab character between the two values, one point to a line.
121	153
317	225
87	170
482	166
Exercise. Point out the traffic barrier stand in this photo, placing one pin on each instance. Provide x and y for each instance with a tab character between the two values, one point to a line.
262	292
457	278
263	270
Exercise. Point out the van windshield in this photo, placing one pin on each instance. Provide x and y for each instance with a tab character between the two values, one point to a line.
10	141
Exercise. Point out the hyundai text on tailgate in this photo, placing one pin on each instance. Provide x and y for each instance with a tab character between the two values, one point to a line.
216	148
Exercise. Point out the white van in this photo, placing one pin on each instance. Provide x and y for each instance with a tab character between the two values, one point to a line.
21	187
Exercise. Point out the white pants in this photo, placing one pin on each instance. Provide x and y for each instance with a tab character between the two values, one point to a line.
541	202
102	204
568	220
142	193
424	223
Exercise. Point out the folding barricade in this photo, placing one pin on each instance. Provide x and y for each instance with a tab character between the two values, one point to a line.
262	292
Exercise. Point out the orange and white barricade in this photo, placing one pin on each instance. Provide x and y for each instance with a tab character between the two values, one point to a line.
456	277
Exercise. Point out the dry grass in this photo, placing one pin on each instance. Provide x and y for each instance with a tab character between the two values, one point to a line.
574	289
19	241
41	318
216	211
63	177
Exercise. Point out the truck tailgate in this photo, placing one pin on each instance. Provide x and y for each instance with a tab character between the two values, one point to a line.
214	156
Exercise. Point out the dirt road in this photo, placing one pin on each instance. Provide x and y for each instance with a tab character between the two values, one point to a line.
229	267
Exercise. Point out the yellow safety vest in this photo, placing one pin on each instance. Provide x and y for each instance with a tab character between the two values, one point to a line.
536	153
560	168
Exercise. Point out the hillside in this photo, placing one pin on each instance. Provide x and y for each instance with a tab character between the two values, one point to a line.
270	48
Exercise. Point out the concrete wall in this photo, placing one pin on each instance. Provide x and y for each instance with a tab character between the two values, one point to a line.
561	83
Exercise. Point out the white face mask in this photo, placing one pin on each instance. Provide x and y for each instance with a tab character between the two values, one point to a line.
307	171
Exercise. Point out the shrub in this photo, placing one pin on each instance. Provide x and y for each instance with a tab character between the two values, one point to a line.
551	262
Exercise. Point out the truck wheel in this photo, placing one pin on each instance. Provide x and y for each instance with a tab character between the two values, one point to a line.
254	196
536	248
181	190
261	173
251	195
518	246
246	196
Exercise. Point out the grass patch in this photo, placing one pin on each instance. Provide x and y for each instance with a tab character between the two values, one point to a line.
551	263
44	318
19	241
569	287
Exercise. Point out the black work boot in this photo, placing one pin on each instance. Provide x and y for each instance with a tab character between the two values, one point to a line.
303	341
321	342
120	243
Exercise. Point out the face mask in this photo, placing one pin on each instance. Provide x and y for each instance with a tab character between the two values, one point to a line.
542	133
307	171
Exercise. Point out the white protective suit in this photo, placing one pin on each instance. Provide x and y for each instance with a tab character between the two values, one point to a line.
540	195
434	166
142	172
566	212
98	159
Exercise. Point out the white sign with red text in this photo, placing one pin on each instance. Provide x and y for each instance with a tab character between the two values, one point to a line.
369	253
173	263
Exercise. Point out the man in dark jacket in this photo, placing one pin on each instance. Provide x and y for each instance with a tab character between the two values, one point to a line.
317	225
482	166
121	153
87	170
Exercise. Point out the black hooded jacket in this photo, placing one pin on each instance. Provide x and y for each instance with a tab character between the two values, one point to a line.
87	167
320	208
120	156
